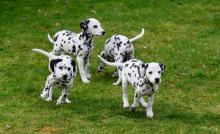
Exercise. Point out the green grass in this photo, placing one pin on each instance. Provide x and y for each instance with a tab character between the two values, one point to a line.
182	34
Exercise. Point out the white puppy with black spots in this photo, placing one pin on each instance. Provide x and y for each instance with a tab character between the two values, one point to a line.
79	45
144	78
63	71
118	49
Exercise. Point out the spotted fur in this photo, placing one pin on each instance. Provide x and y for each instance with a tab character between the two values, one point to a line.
63	71
144	78
79	45
118	48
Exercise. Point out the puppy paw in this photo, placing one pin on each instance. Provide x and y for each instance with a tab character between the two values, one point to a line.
43	96
150	114
59	103
49	99
116	83
86	81
133	109
89	76
67	101
125	106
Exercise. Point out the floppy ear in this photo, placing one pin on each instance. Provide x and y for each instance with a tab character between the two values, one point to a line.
146	65
84	25
162	66
53	63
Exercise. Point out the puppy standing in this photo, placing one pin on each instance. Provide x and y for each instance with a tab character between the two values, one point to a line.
118	49
63	71
80	45
145	79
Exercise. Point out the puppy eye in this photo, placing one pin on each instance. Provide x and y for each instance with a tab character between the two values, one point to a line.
159	72
60	67
68	68
150	72
95	26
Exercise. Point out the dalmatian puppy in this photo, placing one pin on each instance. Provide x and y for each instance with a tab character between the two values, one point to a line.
144	78
118	48
79	45
63	71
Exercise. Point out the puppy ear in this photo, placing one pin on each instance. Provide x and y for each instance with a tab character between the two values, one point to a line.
162	66
146	65
53	63
84	25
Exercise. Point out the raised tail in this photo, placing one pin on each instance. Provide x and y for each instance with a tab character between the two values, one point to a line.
110	63
50	39
138	36
49	55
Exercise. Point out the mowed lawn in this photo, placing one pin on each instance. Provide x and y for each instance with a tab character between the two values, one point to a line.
182	34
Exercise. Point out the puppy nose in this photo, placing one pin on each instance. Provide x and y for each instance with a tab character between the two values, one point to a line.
103	32
157	80
64	76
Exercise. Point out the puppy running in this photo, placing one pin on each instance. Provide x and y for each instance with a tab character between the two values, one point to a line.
79	45
118	49
63	71
145	79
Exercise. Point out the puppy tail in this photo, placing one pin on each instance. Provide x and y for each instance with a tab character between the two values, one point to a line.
49	55
138	36
50	39
110	63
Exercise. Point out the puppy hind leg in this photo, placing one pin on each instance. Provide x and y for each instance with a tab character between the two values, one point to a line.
118	60
47	91
101	65
125	93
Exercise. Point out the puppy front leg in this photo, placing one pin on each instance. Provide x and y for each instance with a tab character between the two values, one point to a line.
82	70
47	91
136	100
87	68
142	101
63	97
119	69
149	109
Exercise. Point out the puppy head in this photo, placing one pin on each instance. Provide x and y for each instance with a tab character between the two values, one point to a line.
154	72
92	26
64	68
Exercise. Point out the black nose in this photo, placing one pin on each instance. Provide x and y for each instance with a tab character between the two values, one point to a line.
157	80
103	32
65	76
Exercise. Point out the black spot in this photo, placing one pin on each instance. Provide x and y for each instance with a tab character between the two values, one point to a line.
65	95
129	74
80	48
74	49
